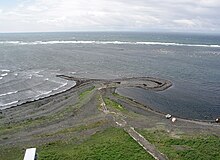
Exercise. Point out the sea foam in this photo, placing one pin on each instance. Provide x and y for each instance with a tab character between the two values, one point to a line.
8	93
108	42
5	70
7	104
4	74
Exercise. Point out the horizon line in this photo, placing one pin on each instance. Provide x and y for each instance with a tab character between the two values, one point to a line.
114	31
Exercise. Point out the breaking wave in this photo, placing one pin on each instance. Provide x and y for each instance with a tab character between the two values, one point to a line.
5	70
5	94
108	42
48	92
7	104
4	74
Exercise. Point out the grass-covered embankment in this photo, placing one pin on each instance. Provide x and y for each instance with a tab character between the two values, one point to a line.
184	147
112	143
86	92
113	104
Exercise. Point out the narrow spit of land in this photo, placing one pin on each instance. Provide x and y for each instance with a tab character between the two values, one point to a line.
76	116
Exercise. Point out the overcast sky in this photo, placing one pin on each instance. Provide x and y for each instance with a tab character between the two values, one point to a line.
109	15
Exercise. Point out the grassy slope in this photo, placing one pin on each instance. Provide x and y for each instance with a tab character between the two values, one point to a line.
113	104
113	143
185	147
12	153
86	92
15	127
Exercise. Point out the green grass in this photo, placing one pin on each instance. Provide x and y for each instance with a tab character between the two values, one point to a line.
13	153
78	128
118	95
111	144
86	92
14	127
199	147
113	104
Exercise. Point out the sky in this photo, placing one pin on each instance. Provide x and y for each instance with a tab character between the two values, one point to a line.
110	15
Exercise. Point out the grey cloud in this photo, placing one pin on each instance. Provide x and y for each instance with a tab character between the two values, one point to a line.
138	15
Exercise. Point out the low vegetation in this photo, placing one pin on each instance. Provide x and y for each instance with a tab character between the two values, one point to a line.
183	147
78	128
112	143
86	92
56	116
113	104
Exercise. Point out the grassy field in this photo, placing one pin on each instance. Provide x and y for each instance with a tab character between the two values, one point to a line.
183	147
86	92
112	143
12	153
113	104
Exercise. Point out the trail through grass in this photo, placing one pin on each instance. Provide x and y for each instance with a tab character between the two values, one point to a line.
111	144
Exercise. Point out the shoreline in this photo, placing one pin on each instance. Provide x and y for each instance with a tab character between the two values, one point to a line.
162	85
162	114
79	81
43	121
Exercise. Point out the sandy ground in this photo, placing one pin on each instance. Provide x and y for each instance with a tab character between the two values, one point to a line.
38	122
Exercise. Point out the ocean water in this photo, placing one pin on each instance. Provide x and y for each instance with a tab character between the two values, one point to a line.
29	63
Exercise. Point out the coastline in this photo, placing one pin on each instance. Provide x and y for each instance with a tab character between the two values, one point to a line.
83	81
162	85
91	107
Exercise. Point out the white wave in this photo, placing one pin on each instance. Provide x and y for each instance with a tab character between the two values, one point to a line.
30	76
108	42
5	70
60	86
46	92
4	94
37	95
4	74
178	44
1	77
36	72
9	42
7	104
216	54
43	93
39	75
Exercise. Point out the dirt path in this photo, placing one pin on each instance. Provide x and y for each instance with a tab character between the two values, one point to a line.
119	120
145	144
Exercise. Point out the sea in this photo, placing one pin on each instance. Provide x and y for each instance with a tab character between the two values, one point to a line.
29	63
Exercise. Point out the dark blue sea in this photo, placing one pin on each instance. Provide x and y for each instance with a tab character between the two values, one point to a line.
29	63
